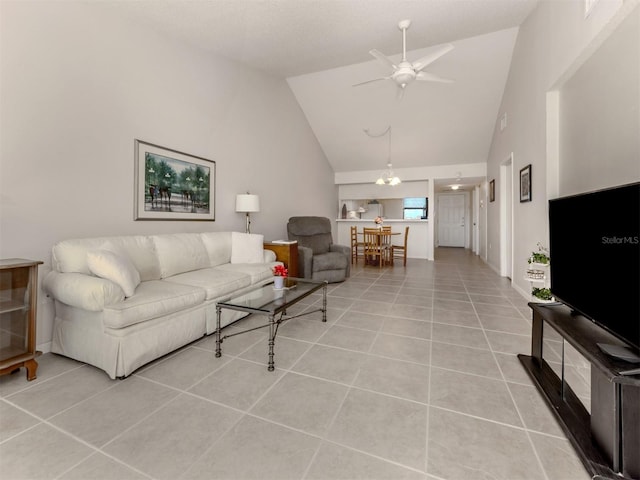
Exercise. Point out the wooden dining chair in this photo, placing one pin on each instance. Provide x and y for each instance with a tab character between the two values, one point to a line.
385	245
400	251
373	249
356	245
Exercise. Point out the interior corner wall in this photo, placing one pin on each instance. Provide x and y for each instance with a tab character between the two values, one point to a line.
549	41
78	85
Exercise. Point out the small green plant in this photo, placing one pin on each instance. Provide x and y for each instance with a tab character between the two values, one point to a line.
542	293
541	256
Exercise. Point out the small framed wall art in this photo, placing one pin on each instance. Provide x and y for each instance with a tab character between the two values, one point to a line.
492	190
525	184
171	185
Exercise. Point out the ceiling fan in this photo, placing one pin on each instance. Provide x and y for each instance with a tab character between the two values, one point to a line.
406	72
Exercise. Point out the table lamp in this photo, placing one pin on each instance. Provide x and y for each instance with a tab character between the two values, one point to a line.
247	203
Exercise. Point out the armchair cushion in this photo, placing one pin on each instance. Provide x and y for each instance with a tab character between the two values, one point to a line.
318	243
330	261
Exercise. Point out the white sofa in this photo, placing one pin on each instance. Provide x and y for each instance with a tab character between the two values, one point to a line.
124	301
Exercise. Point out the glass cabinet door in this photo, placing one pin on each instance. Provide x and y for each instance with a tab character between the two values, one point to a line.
14	312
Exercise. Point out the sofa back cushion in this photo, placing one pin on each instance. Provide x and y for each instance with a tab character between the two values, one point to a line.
247	248
180	252
218	245
70	256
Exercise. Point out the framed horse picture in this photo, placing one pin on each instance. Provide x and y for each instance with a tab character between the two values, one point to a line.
172	185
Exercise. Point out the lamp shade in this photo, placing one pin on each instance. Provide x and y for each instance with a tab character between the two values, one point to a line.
246	202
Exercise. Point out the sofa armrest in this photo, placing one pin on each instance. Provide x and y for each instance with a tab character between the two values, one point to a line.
269	256
82	291
343	249
305	261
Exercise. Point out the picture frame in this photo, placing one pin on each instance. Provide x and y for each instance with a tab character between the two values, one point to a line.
525	184
172	185
492	190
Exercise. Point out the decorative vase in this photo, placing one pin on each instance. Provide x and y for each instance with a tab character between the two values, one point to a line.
278	282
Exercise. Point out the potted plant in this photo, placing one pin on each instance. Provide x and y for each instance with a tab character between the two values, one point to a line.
541	256
280	272
542	294
378	221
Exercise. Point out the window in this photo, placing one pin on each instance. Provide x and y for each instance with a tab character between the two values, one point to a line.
415	208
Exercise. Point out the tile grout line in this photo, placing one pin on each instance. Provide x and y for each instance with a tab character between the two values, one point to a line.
515	404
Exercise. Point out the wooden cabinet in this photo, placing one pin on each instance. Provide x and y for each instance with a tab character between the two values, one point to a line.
286	253
18	300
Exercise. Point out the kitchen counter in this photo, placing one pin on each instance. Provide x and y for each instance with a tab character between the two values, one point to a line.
386	220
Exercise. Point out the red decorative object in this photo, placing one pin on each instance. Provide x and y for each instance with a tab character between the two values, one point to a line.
280	271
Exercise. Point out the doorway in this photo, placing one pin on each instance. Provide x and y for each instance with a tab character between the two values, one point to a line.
451	219
506	218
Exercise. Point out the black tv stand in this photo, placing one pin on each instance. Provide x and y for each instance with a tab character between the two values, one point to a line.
619	352
608	440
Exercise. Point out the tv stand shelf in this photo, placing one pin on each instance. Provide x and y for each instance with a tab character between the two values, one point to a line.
608	440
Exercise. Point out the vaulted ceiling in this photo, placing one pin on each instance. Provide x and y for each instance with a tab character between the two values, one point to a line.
321	47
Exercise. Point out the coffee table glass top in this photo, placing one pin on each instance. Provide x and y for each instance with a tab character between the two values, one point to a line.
268	299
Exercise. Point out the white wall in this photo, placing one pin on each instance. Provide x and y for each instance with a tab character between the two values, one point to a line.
551	41
78	85
599	105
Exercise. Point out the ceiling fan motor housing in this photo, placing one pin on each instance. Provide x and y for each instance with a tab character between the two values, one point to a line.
404	74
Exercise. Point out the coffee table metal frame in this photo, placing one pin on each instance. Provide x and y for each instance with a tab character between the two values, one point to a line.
272	303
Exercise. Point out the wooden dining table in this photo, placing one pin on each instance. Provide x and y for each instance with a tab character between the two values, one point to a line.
381	237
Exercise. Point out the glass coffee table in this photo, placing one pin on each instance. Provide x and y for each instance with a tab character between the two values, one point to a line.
273	303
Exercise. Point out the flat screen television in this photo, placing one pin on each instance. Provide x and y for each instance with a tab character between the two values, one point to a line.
595	257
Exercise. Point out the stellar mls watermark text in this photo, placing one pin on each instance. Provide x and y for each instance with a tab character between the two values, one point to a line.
620	240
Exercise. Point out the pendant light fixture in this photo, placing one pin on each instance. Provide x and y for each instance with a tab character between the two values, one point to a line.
387	177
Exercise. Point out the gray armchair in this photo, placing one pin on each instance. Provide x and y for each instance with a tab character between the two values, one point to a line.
318	257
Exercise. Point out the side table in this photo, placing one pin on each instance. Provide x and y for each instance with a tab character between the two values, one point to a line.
286	253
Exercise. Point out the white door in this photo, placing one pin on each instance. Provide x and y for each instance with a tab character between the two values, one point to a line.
475	236
451	221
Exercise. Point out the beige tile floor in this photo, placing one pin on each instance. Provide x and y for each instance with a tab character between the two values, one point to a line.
413	376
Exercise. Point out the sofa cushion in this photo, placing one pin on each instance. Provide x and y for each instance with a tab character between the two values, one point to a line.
214	281
330	261
152	299
256	271
117	268
180	252
218	245
246	248
70	256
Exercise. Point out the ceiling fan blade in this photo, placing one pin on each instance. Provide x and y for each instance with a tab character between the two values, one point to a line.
371	81
432	57
383	58
430	77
